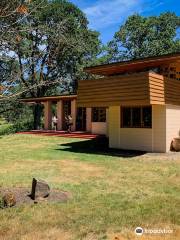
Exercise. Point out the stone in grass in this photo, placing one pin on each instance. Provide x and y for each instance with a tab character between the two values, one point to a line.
9	199
40	189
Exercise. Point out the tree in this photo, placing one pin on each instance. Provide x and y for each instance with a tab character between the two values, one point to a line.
47	42
146	36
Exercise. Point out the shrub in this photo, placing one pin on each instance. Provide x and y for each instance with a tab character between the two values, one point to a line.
2	121
16	127
6	129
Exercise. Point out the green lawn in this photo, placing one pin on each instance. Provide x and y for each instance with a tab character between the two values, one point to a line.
111	194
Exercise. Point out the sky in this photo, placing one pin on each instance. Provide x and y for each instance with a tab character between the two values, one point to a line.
106	16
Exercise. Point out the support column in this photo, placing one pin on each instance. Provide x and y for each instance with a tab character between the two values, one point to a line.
47	115
60	115
88	119
73	114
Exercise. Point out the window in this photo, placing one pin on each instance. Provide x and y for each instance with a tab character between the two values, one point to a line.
172	76
99	114
147	117
136	117
173	69
126	117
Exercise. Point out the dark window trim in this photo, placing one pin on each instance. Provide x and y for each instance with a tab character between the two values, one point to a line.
131	107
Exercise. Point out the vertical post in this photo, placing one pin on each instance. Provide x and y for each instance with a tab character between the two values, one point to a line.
73	114
60	115
107	121
47	115
88	119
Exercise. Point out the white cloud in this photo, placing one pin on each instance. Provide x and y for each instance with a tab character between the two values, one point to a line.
107	12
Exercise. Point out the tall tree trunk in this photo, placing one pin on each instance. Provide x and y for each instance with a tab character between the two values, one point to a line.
38	108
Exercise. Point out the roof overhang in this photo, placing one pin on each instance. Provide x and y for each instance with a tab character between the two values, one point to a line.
51	98
133	65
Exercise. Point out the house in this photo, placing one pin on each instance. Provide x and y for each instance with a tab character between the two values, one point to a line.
142	100
135	103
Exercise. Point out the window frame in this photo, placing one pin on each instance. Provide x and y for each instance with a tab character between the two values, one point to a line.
122	125
98	109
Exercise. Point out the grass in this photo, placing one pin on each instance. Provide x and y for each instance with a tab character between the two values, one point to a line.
112	193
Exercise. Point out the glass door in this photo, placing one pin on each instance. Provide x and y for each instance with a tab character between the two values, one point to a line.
81	119
66	112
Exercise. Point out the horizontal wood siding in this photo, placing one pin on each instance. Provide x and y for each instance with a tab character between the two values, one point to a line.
156	87
135	89
127	89
164	90
172	91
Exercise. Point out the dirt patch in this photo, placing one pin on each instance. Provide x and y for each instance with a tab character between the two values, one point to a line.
75	172
175	156
22	196
145	237
50	233
88	169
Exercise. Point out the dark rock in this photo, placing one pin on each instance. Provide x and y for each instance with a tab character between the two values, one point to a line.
40	189
9	199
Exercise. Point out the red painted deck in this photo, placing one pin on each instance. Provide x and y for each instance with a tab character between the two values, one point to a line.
76	134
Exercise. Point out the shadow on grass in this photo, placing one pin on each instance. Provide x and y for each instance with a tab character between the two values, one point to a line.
98	146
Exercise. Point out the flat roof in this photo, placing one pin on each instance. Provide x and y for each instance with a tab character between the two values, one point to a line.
132	65
51	98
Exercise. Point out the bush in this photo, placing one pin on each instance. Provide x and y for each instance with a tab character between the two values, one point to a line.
2	121
6	129
16	127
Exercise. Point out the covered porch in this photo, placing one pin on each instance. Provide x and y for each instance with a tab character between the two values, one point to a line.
62	106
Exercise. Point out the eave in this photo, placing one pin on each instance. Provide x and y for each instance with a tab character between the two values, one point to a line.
133	65
51	98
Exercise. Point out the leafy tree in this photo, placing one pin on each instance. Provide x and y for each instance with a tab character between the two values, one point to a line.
145	36
48	42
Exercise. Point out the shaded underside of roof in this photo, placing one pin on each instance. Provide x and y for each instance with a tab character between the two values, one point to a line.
51	98
133	65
